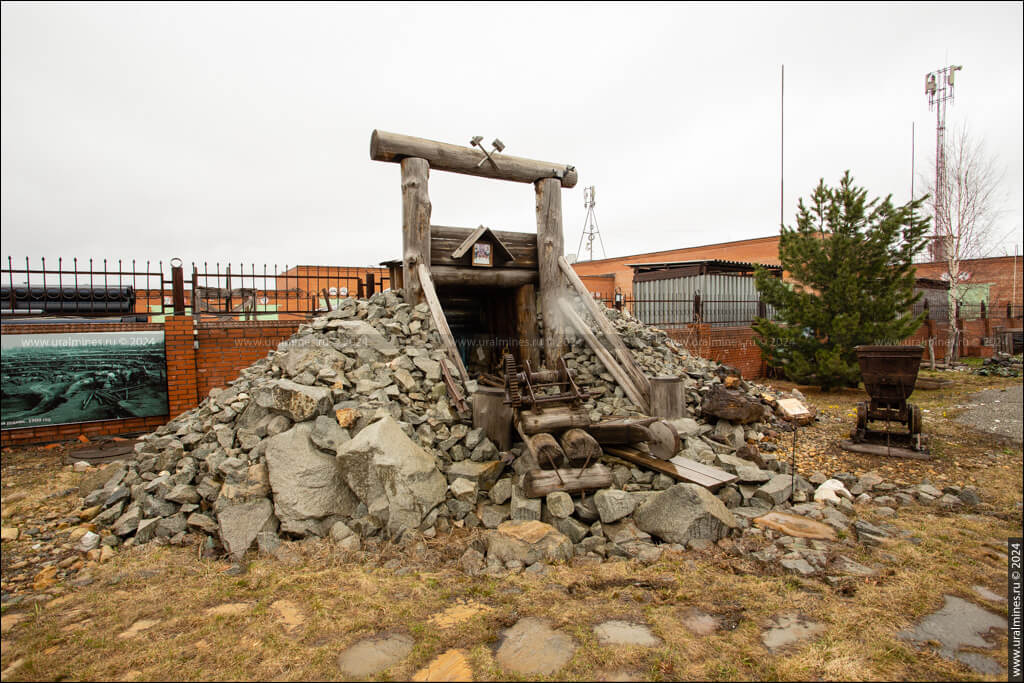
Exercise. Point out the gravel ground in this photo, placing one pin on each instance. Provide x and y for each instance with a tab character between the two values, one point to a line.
998	411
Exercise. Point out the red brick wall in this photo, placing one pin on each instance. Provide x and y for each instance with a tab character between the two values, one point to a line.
225	348
729	345
997	271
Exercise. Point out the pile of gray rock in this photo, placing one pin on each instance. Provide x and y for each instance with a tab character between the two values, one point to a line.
347	431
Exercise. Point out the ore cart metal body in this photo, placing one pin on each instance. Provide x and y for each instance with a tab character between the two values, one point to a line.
889	374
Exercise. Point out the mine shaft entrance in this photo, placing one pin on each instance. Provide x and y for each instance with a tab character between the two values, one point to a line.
483	321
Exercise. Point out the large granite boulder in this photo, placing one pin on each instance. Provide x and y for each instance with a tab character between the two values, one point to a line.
310	493
684	512
393	476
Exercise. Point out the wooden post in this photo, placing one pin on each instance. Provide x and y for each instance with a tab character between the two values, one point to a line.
177	289
550	246
526	326
415	225
667	397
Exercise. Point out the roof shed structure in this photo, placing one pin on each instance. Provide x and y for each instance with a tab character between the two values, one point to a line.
717	292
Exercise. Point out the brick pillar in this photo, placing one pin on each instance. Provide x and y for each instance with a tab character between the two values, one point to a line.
181	365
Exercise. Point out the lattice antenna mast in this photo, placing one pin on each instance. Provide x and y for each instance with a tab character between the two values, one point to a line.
938	86
590	229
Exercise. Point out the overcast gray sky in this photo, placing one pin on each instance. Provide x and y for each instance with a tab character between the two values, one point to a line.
241	132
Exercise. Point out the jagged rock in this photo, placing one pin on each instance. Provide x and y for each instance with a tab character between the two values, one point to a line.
559	504
297	401
240	523
310	493
777	490
528	542
612	504
382	465
682	513
327	434
483	474
523	508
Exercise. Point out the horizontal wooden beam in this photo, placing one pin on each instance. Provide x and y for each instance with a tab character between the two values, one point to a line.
442	156
482	277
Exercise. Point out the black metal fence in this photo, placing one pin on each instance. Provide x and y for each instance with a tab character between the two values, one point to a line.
138	291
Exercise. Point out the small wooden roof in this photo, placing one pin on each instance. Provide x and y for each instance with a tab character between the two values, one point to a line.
475	237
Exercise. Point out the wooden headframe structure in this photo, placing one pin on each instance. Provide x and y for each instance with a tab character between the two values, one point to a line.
447	256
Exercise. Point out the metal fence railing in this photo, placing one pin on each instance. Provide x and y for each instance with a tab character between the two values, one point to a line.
80	288
140	291
679	312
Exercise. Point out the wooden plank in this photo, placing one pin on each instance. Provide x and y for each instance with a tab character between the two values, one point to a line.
539	483
464	246
464	276
415	225
605	357
437	313
881	449
607	329
442	156
710	478
550	245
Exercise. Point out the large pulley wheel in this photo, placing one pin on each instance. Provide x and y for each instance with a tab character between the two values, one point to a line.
862	415
666	441
914	419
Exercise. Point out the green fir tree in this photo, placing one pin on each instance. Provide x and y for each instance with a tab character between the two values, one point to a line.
851	282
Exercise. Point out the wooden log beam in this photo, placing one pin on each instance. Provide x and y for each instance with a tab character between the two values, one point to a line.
606	327
550	245
437	313
442	156
415	225
483	277
539	483
620	434
553	419
606	358
579	447
549	453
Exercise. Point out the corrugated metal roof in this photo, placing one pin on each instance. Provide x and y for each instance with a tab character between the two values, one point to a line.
711	263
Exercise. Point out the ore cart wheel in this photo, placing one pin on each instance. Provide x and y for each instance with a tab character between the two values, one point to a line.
914	419
862	416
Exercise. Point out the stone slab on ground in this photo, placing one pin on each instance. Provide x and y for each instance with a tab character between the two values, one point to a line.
957	625
448	666
372	655
616	632
789	628
795	525
700	622
533	648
